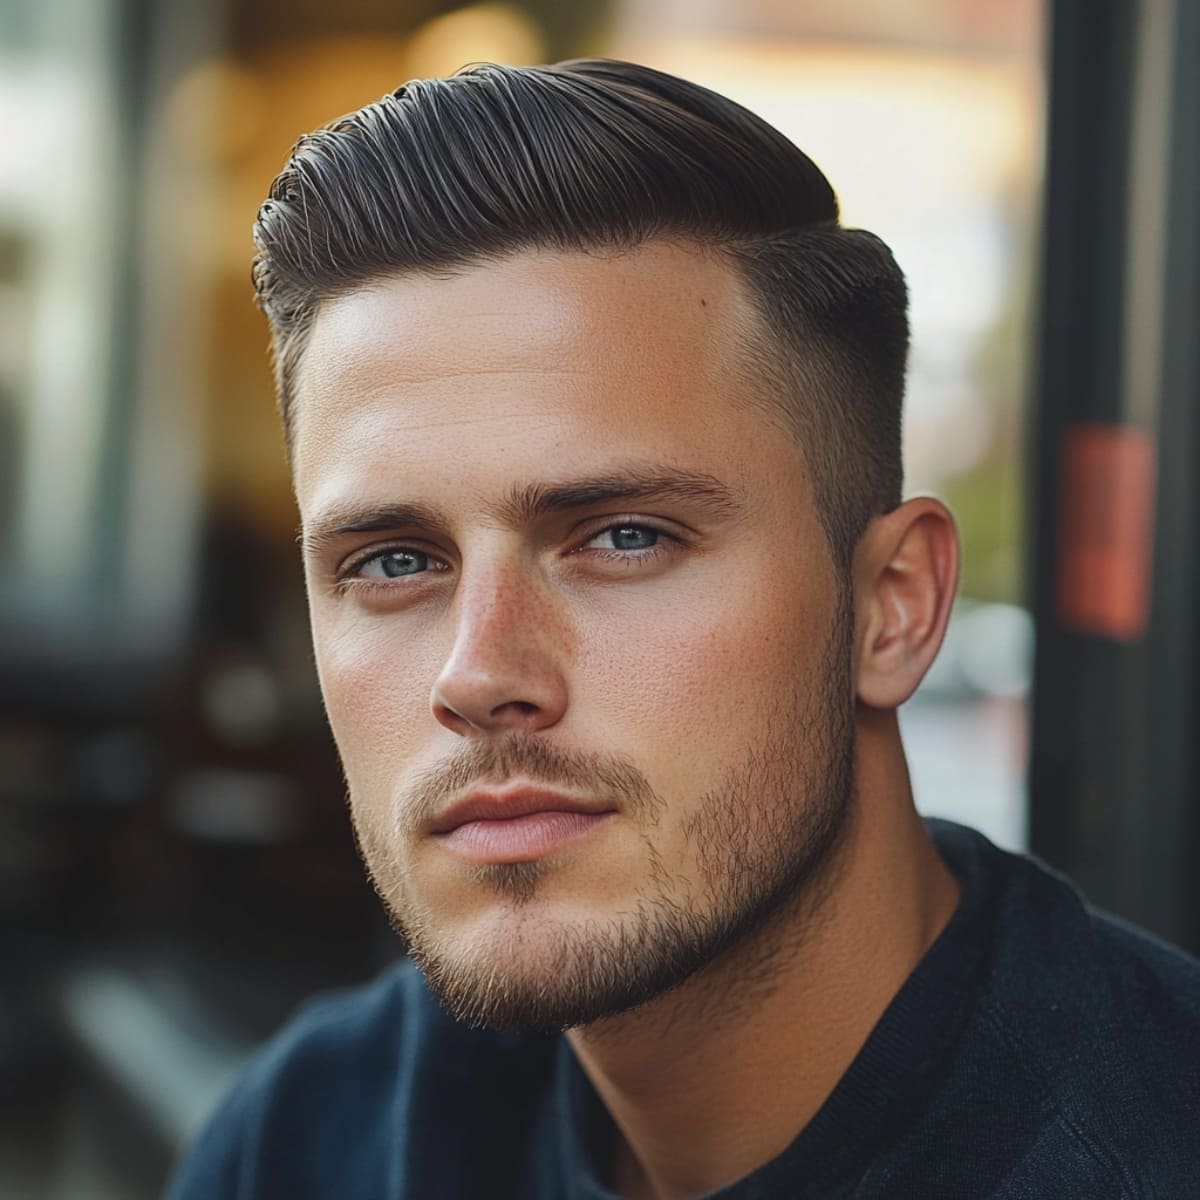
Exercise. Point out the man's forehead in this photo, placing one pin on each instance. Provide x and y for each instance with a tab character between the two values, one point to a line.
490	315
536	348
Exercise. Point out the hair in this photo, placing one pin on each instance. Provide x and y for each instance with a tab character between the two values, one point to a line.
596	154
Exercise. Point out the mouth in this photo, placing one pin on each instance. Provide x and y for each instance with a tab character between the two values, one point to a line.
517	824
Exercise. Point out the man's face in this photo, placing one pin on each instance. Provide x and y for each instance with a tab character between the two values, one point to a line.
578	631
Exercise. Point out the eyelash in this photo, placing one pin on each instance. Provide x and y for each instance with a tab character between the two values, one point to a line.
667	544
348	578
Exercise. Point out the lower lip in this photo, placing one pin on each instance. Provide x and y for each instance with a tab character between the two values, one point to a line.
520	839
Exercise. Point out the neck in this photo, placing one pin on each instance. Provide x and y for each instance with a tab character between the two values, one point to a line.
717	1077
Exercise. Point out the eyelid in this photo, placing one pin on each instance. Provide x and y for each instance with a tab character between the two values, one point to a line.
670	540
345	571
598	525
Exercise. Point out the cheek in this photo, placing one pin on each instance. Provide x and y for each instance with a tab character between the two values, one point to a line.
703	676
376	689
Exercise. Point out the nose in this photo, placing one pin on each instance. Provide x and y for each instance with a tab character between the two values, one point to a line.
505	670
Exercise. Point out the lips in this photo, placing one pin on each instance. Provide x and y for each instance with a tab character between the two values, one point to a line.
506	804
517	824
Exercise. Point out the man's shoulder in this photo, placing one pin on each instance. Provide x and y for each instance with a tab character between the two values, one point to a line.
1054	948
1040	920
1156	978
339	1047
1091	1021
339	1026
333	1103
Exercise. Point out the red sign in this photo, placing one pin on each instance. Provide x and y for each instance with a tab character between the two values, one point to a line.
1106	530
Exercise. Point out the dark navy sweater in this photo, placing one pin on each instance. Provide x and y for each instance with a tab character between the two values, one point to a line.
1039	1051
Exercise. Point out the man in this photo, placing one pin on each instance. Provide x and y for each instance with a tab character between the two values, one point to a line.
593	411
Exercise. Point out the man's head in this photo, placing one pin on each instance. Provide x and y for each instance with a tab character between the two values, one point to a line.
589	404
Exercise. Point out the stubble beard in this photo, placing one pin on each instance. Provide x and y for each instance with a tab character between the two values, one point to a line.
765	842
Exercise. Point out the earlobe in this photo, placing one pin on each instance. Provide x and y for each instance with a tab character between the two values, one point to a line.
906	571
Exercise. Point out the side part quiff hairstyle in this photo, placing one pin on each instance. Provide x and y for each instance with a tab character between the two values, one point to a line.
593	155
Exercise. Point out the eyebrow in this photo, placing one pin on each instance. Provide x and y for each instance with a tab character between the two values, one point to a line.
527	503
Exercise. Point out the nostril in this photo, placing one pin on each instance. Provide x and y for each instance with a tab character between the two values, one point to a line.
451	719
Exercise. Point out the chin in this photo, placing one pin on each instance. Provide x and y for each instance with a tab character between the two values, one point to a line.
540	966
511	969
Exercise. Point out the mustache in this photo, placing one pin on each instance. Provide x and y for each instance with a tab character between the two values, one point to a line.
605	776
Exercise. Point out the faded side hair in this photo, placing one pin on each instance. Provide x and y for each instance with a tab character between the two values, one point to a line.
593	154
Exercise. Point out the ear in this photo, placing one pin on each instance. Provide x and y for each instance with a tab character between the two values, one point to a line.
905	573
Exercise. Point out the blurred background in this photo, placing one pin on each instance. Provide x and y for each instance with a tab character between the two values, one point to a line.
176	867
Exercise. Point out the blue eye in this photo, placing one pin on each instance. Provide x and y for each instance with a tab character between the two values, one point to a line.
392	564
632	537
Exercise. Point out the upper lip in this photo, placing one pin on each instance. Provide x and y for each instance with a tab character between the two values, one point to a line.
504	803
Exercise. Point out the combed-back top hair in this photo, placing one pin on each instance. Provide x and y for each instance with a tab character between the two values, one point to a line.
595	154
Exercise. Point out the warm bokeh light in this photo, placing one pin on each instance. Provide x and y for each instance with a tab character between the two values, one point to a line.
479	33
